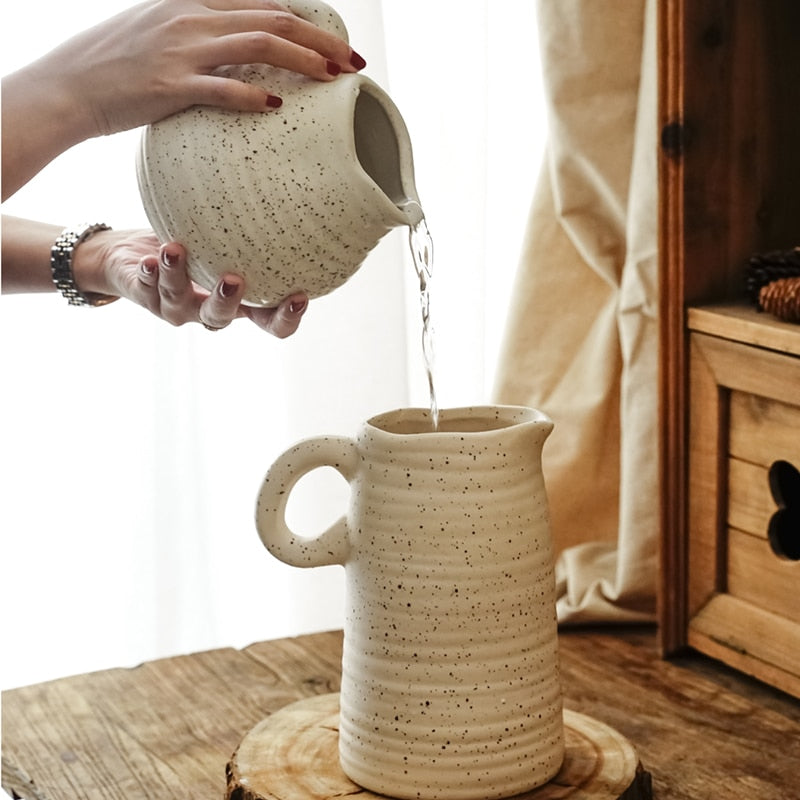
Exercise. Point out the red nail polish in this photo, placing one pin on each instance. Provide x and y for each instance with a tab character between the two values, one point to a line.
228	289
273	101
356	60
333	68
169	259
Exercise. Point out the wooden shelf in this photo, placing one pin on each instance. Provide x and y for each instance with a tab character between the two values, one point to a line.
742	323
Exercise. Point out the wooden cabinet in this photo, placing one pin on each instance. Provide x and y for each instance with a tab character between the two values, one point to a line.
743	564
729	169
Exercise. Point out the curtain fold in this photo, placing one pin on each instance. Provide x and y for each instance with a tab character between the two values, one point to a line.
580	342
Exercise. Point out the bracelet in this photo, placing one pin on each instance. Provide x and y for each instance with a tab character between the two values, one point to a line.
61	265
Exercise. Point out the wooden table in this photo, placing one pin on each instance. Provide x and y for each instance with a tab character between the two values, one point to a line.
167	728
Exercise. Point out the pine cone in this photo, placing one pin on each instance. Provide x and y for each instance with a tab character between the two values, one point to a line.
782	298
764	268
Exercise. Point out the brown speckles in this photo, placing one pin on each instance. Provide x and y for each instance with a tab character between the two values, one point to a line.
298	208
450	681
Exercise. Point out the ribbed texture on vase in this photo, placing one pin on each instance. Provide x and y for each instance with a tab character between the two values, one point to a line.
450	682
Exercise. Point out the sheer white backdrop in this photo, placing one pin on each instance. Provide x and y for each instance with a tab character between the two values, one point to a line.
132	452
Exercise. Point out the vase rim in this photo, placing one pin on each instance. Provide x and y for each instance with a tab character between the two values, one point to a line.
466	420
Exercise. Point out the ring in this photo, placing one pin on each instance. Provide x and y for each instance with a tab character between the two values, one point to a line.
210	327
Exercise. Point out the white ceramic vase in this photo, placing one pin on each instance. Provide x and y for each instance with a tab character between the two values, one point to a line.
450	682
291	199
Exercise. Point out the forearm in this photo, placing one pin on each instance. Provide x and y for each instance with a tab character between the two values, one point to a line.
26	255
40	120
26	258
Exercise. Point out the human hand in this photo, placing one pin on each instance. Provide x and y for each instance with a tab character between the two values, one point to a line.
131	264
159	57
151	61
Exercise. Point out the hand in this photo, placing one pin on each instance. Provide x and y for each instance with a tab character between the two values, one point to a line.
132	265
148	62
159	57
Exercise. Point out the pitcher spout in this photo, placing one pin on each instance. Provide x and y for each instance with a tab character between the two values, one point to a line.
412	211
541	421
383	148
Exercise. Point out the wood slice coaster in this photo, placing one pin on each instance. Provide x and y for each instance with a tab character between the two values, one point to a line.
294	753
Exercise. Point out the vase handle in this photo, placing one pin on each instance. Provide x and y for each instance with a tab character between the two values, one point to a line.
332	545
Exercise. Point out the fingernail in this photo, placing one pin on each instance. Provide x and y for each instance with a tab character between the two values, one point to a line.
148	266
228	289
357	61
169	259
297	306
273	101
333	68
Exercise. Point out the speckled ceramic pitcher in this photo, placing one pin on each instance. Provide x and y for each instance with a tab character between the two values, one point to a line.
292	199
450	684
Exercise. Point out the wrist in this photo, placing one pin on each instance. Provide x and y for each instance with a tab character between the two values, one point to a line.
77	262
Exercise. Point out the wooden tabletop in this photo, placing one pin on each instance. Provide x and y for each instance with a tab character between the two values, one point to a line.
167	728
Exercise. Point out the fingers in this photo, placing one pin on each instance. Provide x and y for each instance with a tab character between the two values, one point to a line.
162	285
144	285
315	61
182	301
284	319
221	307
284	40
240	16
148	272
232	95
176	292
158	58
272	36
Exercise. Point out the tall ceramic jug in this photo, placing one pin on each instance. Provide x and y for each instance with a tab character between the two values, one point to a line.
450	684
293	199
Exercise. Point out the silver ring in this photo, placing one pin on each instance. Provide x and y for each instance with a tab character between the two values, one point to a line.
211	327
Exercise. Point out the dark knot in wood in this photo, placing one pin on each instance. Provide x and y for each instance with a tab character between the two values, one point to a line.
674	139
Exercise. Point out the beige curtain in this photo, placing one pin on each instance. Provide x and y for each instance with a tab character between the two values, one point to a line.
581	339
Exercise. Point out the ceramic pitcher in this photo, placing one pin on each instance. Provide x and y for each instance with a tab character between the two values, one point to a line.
292	199
450	684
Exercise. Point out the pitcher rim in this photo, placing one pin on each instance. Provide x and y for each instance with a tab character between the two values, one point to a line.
503	413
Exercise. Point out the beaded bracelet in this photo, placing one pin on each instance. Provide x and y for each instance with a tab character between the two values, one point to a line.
61	255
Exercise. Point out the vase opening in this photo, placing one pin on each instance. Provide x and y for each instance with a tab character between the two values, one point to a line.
378	151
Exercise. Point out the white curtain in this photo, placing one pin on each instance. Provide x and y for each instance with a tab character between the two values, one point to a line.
132	452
